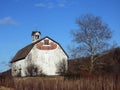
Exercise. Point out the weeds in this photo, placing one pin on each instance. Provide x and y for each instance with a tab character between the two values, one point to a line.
101	82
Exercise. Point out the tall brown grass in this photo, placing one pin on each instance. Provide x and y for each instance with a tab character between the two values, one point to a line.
101	82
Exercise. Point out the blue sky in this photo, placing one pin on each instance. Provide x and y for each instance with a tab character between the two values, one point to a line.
53	18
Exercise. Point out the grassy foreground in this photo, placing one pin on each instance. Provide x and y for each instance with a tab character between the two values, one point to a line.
102	82
5	88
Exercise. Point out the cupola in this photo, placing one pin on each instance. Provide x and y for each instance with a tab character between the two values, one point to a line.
35	36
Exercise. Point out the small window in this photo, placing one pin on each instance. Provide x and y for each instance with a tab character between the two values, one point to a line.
36	36
15	70
46	42
20	69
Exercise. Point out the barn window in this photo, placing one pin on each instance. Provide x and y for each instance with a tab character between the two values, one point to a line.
46	42
15	70
36	36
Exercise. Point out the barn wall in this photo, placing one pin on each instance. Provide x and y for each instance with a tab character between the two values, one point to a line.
47	60
18	68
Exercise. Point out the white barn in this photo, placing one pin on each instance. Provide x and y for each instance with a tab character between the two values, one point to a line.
42	56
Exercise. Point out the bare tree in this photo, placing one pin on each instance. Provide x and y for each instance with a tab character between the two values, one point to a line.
91	37
116	55
62	67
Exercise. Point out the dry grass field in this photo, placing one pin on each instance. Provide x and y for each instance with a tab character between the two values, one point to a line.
5	88
105	82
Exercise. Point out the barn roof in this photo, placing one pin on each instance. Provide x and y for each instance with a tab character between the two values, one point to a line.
22	53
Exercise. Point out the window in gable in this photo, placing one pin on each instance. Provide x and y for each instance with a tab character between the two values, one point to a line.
46	42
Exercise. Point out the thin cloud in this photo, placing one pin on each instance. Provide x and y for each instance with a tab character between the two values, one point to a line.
45	5
51	5
7	21
54	4
40	5
61	5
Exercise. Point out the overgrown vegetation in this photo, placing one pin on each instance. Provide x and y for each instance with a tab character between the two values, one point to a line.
101	82
34	70
107	63
62	67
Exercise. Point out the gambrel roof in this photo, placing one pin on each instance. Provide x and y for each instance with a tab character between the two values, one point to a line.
21	54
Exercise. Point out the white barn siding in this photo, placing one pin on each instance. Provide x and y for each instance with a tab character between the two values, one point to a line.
47	60
19	67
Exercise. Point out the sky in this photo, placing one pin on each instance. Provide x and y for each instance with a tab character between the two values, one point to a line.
53	18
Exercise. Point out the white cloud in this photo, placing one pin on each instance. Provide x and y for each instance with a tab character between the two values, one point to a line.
7	21
54	4
40	5
45	5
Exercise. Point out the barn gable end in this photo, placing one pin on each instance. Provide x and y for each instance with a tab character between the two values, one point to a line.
22	53
45	53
